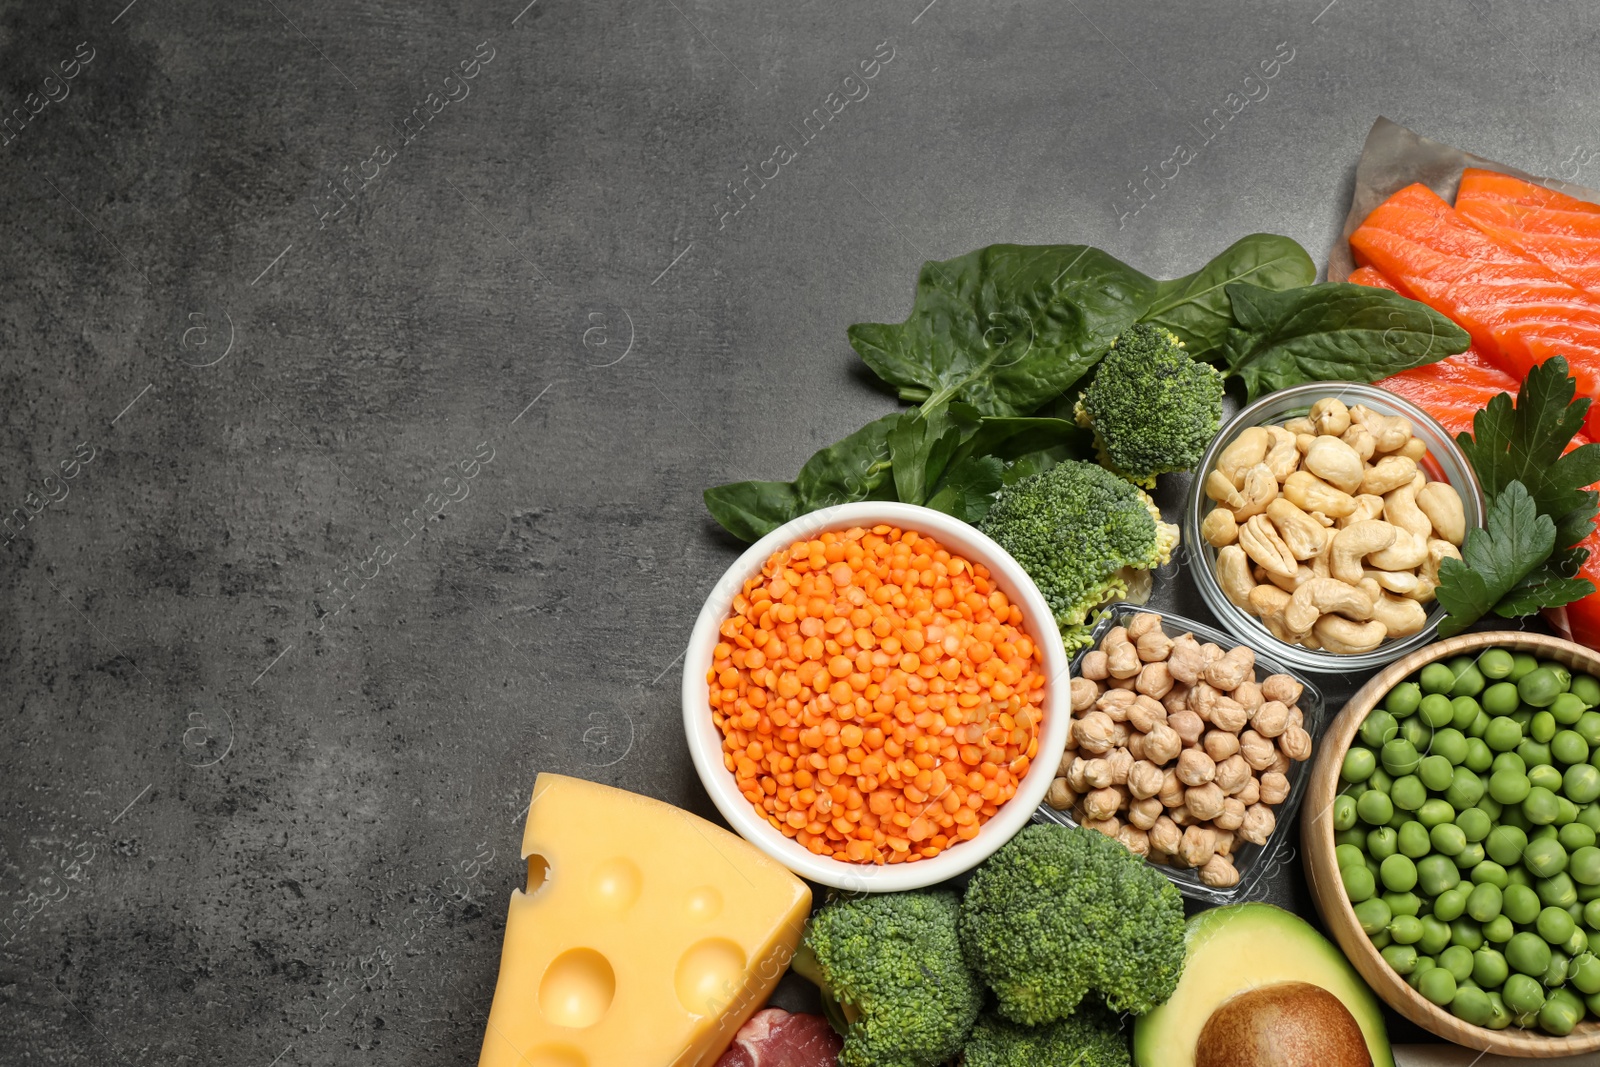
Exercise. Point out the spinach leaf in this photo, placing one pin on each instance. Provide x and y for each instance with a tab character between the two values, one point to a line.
969	488
856	468
1196	308
1331	332
922	444
1007	327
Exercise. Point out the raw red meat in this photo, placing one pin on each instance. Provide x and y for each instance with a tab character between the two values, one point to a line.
775	1038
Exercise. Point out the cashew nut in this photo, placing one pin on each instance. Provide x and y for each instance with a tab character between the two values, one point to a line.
1268	603
1354	542
1335	463
1302	575
1416	449
1401	616
1330	416
1403	582
1283	457
1320	596
1260	488
1359	439
1347	637
1219	527
1391	431
1440	502
1261	542
1311	493
1406	554
1233	575
1391	472
1438	552
1248	449
1223	491
1305	536
1368	506
1400	508
1300	425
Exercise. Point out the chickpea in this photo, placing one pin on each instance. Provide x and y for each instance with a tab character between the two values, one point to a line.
1162	744
1198	845
1281	687
1228	714
1196	768
1144	812
1232	774
1095	732
1101	804
1257	751
1109	827
1165	837
1143	623
1204	801
1078	775
1220	744
1094	667
1121	761
1171	793
1259	822
1274	788
1153	646
1145	713
1296	743
1061	797
1248	695
1084	694
1134	840
1251	793
1231	816
1219	872
1177	698
1115	703
1270	719
1122	659
1097	773
1154	680
1184	661
1188	726
1145	780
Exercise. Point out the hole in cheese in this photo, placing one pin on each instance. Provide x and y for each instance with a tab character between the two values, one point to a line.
556	1056
709	975
703	904
538	871
577	988
617	883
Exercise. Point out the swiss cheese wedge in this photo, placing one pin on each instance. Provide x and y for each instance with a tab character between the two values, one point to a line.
645	938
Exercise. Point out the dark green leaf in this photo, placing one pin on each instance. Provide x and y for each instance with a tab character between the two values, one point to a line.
969	488
1541	590
1331	332
1524	443
1514	541
920	447
1196	307
856	468
1005	328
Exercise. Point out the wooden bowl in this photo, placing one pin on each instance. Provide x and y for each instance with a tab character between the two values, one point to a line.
1316	837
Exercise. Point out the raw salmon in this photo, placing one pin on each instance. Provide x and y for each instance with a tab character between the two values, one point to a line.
1558	230
1517	310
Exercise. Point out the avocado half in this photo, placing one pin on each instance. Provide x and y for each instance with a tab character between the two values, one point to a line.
1241	948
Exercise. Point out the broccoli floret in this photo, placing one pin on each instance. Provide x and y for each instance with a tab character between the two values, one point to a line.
1057	913
893	963
1085	536
1153	407
1089	1038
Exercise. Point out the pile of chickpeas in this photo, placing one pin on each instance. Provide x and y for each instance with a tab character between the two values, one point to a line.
1177	750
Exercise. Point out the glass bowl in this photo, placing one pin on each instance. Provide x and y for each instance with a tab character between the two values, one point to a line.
1253	862
1444	462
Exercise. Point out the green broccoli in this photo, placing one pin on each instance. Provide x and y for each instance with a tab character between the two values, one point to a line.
1153	407
1085	536
892	964
1057	913
1088	1038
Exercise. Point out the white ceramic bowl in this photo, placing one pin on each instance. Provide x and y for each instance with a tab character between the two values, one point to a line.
705	741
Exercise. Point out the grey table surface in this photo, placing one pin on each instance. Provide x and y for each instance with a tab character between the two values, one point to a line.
269	728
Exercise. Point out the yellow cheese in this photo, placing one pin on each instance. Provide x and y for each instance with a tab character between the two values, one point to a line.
646	937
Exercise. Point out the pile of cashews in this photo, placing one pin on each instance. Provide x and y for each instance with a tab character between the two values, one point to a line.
1328	529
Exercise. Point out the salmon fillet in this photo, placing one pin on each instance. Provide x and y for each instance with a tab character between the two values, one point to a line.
1558	230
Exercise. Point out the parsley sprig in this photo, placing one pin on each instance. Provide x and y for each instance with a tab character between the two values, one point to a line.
1523	558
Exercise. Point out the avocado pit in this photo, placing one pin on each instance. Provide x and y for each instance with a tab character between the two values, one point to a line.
1284	1024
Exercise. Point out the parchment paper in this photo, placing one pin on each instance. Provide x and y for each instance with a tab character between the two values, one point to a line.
1394	157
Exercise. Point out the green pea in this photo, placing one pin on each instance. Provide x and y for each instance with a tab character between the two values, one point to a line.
1465	788
1556	973
1344	812
1451	743
1584	867
1479	755
1544	776
1503	734
1405	929
1379	726
1381	940
1561	1012
1568	708
1489	968
1500	699
1513	816
1414	841
1566	811
1469	681
1509	761
1403	699
1467	933
1558	891
1437	678
1544	858
1554	925
1488	872
1408	793
1479	727
1523	717
1483	903
1359	763
1464	711
1542	727
1578	943
1451	904
1373	915
1529	954
1576	835
1375	808
1586	688
1501	1017
1457	959
1400	757
1474	822
1399	874
1400	819
1591	914
1419	733
1436	936
1498	930
1469	856
1438	986
1436	710
1540	806
1522	991
1588	727
1359	884
1489	805
1448	839
1436	773
1509	787
1495	663
1522	665
1540	687
1535	753
1403	958
1590	815
1435	811
1505	844
1562	672
1381	780
1355	837
1581	783
1403	903
1382	843
1519	903
1584	973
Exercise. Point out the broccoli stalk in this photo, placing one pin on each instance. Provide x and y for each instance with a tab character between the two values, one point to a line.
1153	408
1089	1038
1058	913
1085	536
891	966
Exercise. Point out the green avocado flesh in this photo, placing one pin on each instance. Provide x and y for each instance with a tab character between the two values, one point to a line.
1242	947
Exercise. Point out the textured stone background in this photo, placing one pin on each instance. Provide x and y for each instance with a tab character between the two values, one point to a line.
241	823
